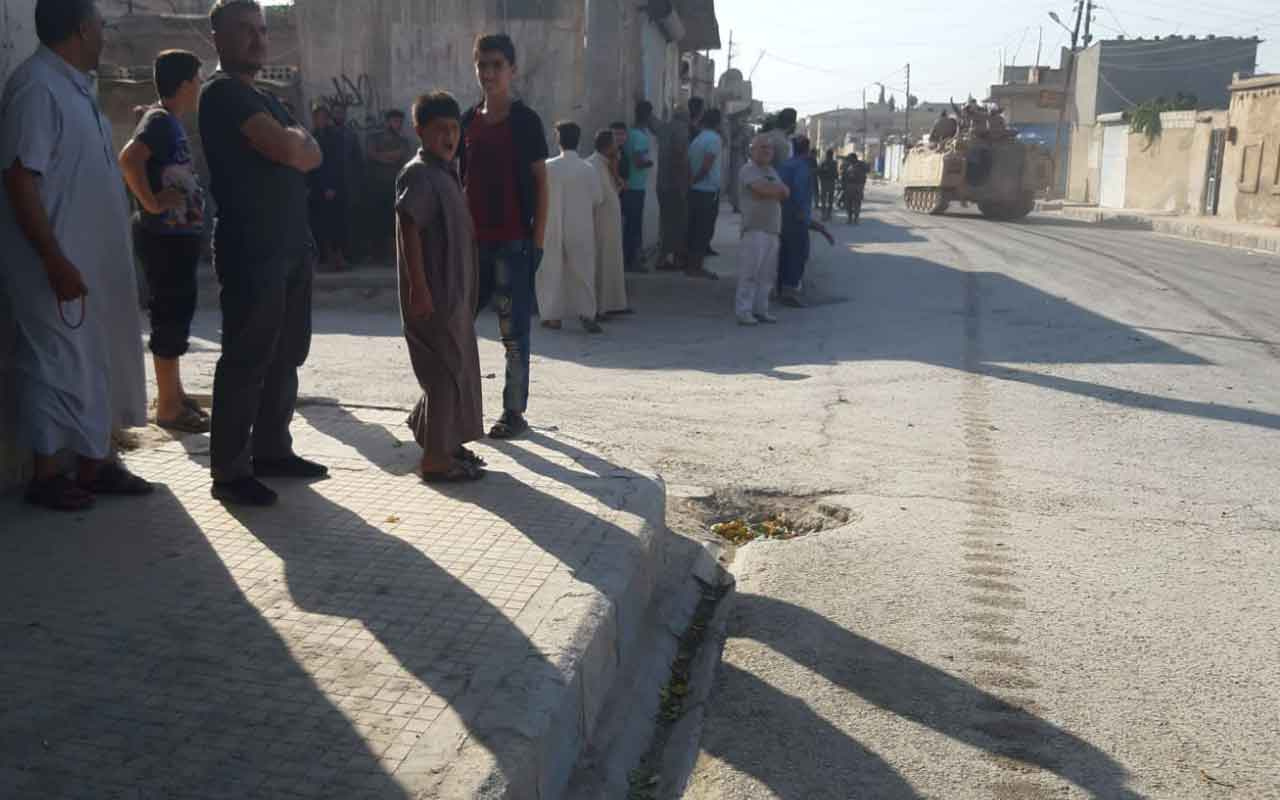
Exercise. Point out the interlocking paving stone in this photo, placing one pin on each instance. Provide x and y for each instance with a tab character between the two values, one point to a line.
169	647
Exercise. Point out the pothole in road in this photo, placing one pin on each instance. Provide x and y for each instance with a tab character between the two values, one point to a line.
740	517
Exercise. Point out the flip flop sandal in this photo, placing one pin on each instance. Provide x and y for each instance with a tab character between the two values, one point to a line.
194	405
458	472
115	479
58	493
468	457
504	429
187	421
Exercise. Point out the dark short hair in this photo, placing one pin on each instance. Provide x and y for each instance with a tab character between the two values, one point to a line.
711	119
59	20
570	135
696	104
644	110
801	145
319	105
604	138
394	113
435	105
222	6
174	68
618	126
496	43
787	116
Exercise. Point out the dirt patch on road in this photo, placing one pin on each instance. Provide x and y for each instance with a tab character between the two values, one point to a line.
740	517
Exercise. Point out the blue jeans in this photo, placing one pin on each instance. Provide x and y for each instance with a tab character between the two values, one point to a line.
632	226
793	254
506	283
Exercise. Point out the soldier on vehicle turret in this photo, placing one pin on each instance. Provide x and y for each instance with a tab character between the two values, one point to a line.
945	128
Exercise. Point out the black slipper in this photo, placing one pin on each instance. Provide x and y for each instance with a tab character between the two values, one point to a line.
113	478
58	493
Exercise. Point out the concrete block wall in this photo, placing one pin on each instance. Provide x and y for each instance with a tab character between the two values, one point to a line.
1168	172
17	41
576	60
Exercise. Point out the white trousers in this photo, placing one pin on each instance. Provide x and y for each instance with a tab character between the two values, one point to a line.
757	272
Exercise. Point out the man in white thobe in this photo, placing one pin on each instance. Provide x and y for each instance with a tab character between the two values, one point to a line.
68	265
566	281
611	280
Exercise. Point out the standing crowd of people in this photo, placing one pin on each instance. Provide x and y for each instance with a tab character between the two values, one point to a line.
480	217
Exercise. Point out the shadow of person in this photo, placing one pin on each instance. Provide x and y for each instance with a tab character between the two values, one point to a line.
779	740
455	644
574	532
136	664
908	688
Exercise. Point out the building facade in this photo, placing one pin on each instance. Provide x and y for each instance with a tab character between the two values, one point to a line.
585	61
1251	153
1115	75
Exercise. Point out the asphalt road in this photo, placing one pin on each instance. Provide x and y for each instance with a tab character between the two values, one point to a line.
1059	444
1064	581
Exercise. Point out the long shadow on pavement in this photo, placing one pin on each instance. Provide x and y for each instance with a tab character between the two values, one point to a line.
578	534
452	641
794	752
135	666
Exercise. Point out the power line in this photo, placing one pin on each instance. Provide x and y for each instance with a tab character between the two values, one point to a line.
1116	19
1103	77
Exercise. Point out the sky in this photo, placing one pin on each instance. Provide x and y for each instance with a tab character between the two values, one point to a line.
824	57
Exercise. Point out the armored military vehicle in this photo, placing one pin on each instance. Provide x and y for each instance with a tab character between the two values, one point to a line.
994	170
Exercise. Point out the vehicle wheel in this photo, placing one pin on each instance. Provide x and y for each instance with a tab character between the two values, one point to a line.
1026	204
993	210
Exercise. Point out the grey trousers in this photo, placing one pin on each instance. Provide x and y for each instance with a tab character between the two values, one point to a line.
266	335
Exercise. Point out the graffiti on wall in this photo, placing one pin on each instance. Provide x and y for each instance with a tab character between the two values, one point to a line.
360	99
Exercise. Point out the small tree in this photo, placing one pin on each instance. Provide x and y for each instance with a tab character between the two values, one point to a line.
1145	117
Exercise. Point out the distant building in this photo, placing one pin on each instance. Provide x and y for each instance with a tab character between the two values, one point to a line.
1031	95
865	130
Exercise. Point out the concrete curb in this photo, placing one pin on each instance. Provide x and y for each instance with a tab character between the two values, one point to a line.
1193	228
586	634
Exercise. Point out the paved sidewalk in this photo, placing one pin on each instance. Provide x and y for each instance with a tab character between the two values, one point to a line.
1264	238
369	637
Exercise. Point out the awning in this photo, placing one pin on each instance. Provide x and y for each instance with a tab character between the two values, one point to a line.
701	29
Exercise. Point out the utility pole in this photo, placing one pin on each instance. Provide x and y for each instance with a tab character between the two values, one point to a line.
1066	95
1088	20
1039	46
728	65
907	122
864	121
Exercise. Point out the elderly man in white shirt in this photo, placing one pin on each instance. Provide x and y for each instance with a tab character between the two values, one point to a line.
69	274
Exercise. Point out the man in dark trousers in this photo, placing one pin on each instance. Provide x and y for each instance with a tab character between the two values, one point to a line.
263	253
328	199
386	153
827	173
855	186
503	155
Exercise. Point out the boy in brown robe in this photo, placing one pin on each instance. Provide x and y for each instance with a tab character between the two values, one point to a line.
436	254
